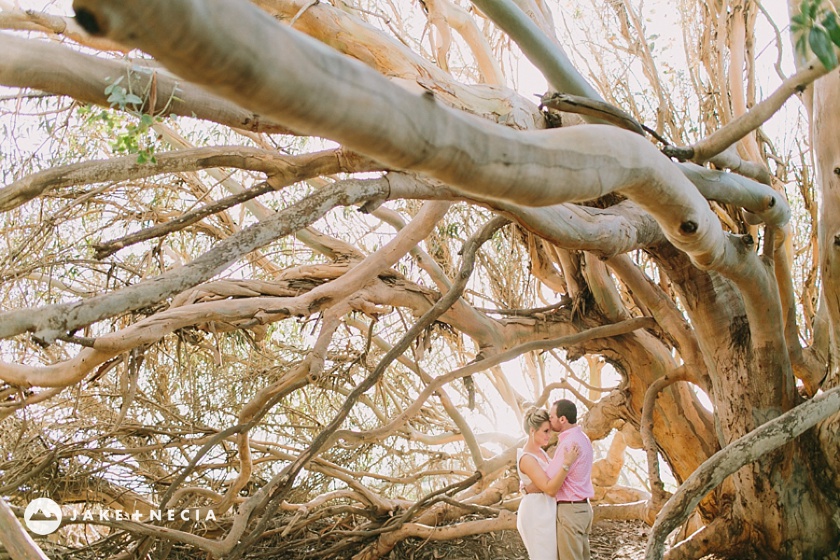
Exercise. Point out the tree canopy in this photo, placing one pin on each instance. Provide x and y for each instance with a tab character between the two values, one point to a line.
293	270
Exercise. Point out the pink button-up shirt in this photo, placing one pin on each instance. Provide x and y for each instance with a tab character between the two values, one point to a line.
578	483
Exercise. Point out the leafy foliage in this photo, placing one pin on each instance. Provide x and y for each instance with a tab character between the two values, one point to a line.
816	29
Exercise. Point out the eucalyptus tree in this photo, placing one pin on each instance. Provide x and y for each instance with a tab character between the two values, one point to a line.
193	320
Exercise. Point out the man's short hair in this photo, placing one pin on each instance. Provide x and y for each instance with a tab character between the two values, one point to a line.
567	408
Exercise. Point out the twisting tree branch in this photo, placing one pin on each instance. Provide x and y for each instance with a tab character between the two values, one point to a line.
740	452
285	479
280	167
547	55
57	69
284	171
658	495
493	162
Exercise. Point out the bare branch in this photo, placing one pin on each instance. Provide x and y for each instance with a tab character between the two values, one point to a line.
535	168
284	168
56	69
547	55
724	137
52	321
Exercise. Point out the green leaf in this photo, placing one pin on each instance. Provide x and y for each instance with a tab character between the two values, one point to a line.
812	9
822	47
147	120
117	97
802	46
830	24
133	99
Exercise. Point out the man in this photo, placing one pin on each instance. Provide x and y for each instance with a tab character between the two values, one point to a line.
574	513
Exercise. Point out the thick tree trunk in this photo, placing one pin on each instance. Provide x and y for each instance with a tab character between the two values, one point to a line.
778	510
825	120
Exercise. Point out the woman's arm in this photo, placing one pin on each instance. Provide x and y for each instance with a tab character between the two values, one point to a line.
554	483
529	465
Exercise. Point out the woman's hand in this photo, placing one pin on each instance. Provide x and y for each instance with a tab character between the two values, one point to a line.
571	455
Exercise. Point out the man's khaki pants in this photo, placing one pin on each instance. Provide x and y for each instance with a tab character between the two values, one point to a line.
574	521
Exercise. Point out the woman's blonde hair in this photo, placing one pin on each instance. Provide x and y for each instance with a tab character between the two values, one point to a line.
534	418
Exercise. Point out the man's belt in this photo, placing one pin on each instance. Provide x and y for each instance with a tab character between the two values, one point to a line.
583	501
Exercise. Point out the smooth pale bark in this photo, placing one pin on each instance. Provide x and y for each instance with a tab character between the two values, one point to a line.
238	60
768	205
606	232
30	20
461	21
734	131
354	37
56	69
545	53
824	120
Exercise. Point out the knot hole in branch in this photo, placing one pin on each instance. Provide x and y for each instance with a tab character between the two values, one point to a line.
89	23
688	227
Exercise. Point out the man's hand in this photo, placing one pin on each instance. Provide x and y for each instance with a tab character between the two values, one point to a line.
531	488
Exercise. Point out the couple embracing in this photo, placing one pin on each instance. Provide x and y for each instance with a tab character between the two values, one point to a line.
555	516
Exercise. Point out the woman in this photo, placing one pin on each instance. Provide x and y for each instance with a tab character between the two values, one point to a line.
538	510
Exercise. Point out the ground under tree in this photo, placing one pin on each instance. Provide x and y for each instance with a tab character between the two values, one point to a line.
206	307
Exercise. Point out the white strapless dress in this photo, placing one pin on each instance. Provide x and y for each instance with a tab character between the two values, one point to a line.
536	520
